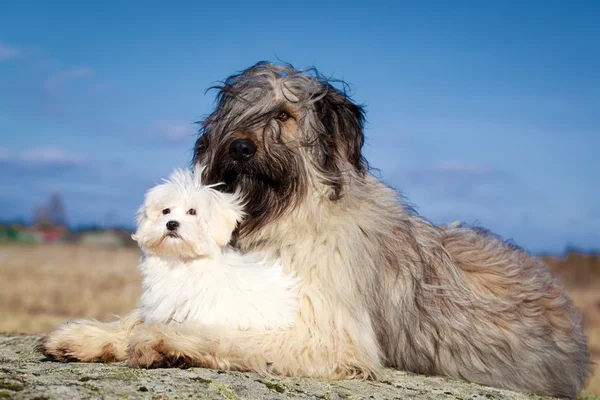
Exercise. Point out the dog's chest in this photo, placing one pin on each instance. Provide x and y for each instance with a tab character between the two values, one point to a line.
249	295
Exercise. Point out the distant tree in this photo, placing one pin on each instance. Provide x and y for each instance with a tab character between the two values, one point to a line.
41	217
56	210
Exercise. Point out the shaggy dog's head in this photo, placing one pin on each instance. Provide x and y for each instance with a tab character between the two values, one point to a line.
183	218
278	134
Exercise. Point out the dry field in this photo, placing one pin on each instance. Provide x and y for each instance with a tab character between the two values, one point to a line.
41	286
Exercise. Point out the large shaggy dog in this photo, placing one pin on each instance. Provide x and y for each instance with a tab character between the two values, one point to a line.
380	285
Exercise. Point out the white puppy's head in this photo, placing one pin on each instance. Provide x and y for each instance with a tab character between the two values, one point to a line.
183	218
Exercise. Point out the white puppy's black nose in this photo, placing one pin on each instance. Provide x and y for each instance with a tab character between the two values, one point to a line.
242	150
172	225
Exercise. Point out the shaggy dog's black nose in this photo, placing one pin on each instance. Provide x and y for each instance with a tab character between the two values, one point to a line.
242	150
172	225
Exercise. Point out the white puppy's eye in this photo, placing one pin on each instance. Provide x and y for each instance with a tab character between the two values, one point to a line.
191	211
166	211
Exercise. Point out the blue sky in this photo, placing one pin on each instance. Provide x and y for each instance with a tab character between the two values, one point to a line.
486	112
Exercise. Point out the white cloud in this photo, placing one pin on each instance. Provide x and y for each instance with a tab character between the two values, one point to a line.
42	156
459	167
60	79
474	184
449	172
5	154
8	52
173	132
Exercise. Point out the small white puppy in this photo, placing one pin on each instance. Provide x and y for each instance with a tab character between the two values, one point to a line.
190	273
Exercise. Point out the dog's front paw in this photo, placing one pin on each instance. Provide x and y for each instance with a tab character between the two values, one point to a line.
79	341
149	349
56	349
153	348
155	354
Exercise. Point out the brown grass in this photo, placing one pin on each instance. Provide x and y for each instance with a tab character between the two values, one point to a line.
41	286
581	276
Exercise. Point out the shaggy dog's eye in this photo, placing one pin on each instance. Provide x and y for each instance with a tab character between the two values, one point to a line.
166	211
283	116
191	211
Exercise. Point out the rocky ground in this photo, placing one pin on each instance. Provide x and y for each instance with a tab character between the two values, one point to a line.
25	374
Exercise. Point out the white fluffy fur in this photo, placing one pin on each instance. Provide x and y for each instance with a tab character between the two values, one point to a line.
196	276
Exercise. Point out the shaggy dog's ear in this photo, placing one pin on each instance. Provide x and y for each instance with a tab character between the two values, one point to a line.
342	140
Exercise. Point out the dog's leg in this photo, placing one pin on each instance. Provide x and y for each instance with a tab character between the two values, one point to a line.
89	340
292	352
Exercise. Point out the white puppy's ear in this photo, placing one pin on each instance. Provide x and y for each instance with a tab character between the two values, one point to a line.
198	169
140	221
223	224
226	212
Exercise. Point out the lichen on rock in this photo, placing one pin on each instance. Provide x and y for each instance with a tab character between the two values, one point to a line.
26	374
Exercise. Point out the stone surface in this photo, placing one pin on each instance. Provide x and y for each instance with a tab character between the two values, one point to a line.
25	374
